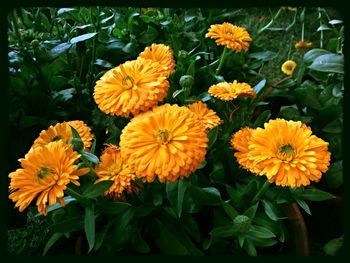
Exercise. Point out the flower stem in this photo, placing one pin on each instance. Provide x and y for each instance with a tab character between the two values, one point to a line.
74	194
223	55
261	191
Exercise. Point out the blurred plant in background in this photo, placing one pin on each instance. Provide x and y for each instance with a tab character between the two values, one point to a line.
142	135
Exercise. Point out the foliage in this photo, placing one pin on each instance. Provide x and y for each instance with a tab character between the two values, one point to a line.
57	54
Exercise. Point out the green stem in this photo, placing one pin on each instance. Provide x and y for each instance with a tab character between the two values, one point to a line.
271	21
261	191
302	31
74	194
223	55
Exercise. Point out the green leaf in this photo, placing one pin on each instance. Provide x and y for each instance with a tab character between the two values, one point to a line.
335	21
270	210
66	199
333	246
148	36
230	211
312	54
52	240
104	63
113	208
77	142
250	212
258	87
138	243
303	205
212	136
175	193
171	240
260	232
69	225
59	49
249	248
95	190
101	235
90	157
234	195
64	95
315	195
334	176
335	126
263	117
263	55
82	37
191	227
205	96
323	27
331	63
225	231
206	196
89	225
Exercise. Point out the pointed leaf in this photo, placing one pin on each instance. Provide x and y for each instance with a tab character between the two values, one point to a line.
95	190
82	37
53	239
89	225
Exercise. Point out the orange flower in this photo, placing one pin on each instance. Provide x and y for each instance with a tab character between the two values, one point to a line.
46	171
228	91
287	153
161	54
303	45
207	116
131	88
239	142
112	167
288	67
233	37
62	131
169	142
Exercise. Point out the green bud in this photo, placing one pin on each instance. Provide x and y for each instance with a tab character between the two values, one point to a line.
35	43
182	54
243	223
186	81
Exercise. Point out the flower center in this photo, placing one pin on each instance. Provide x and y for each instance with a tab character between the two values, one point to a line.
56	138
286	152
128	82
163	136
43	172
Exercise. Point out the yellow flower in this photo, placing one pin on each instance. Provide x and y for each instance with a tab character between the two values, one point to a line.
228	91
45	172
169	142
112	167
303	45
239	142
288	67
161	54
233	37
131	88
287	153
62	131
207	116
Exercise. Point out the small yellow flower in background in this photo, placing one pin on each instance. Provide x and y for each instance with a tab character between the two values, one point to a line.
62	131
207	116
148	9
285	152
288	67
45	172
131	88
112	167
303	45
233	37
161	54
228	91
168	142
